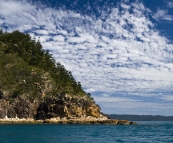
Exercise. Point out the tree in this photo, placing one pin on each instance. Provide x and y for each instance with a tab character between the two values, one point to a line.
1	31
20	54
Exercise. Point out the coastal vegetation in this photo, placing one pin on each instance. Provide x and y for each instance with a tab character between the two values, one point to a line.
26	68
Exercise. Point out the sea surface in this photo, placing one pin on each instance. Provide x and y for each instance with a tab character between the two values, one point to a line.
144	132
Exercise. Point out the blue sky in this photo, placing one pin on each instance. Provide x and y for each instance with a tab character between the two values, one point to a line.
120	50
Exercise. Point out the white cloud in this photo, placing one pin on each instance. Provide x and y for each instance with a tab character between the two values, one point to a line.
42	32
167	97
76	40
170	4
121	105
114	99
162	14
125	6
42	38
139	108
10	7
105	95
58	38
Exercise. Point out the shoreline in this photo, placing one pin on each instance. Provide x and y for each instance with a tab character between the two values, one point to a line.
66	121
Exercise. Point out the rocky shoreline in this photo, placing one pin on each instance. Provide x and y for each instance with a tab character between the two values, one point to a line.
88	120
61	109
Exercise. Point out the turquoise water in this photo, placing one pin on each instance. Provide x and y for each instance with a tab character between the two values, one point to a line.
145	132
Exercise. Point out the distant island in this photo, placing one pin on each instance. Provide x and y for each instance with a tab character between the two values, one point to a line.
141	117
34	88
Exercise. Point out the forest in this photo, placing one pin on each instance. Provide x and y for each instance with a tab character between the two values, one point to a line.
27	69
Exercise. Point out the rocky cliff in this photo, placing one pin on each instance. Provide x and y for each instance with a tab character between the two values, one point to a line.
61	109
67	106
49	107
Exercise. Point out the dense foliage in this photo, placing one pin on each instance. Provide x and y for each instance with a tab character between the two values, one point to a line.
26	68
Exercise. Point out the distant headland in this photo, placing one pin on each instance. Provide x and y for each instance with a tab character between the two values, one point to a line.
141	117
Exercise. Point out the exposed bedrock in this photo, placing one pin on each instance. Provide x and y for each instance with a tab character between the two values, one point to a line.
66	106
49	107
61	109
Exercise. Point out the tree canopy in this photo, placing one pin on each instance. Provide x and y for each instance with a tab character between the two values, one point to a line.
25	66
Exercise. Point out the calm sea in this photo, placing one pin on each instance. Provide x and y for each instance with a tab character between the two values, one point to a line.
145	132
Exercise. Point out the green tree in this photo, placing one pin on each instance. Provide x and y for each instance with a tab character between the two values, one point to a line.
24	64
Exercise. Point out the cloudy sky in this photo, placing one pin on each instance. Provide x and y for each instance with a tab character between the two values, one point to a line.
120	50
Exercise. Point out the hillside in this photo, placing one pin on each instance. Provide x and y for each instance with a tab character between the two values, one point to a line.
25	66
32	82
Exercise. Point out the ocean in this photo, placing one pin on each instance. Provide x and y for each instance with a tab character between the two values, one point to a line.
144	132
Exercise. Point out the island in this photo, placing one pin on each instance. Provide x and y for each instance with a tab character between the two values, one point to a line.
34	88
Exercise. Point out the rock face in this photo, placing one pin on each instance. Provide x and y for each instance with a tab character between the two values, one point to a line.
20	107
66	106
51	107
61	109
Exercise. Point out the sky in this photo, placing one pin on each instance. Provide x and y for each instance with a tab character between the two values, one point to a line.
120	50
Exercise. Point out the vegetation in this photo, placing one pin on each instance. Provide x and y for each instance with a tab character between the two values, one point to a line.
27	69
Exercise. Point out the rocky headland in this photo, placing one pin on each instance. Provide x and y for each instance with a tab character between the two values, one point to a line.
34	88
